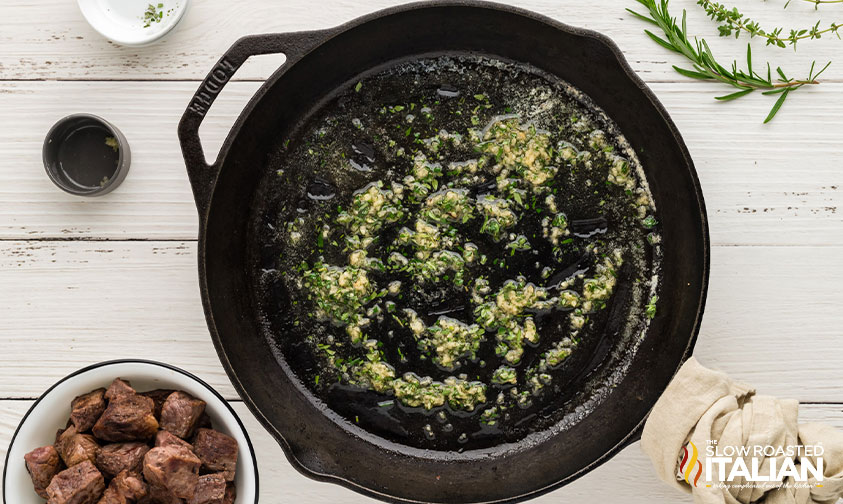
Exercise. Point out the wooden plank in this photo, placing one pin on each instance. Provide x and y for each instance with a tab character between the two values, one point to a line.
629	473
772	318
69	304
49	39
769	184
765	184
155	199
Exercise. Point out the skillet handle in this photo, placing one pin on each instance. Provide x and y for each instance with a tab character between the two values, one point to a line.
201	174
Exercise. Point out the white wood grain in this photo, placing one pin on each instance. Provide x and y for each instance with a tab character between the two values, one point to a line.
49	39
772	184
627	478
774	194
772	319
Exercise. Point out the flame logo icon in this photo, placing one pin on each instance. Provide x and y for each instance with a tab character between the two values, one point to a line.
690	464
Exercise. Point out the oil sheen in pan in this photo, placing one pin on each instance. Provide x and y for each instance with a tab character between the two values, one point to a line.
371	132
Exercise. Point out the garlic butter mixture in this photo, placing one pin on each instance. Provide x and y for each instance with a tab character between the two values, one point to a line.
449	245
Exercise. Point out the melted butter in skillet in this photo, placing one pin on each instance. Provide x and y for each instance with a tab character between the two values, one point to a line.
448	247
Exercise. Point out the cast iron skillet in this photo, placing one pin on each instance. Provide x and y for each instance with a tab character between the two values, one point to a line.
315	439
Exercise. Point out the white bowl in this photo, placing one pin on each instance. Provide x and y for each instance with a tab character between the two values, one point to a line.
122	21
51	411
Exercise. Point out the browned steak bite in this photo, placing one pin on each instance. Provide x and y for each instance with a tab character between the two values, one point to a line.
126	488
112	496
130	485
42	464
210	489
118	388
217	451
114	458
86	409
128	417
160	495
230	494
80	484
158	396
75	448
180	414
165	438
174	468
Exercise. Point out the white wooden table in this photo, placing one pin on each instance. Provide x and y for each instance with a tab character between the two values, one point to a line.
85	280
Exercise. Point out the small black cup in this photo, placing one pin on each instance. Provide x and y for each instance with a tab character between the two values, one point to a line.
85	155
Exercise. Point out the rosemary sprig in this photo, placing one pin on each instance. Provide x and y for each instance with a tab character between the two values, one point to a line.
733	21
706	67
816	2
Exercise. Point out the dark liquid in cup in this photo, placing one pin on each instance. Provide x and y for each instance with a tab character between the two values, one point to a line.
89	156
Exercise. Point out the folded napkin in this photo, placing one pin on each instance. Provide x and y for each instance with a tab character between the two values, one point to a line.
702	409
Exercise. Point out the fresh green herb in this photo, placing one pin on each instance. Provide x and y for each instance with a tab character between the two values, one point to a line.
706	67
358	87
651	307
153	14
734	22
816	2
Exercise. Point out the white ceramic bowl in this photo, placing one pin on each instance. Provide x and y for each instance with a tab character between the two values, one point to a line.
51	411
122	21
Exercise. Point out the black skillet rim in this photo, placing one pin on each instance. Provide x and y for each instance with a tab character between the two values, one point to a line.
633	78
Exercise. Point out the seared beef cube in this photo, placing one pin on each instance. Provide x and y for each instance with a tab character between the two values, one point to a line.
80	484
158	396
165	438
160	495
126	488
217	452
75	448
42	464
174	468
128	417
230	494
210	489
130	485
115	458
86	409
180	414
112	496
118	388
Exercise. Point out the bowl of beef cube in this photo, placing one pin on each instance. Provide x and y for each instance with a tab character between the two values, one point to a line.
130	432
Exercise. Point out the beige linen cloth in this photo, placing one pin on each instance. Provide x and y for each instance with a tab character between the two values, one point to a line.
701	405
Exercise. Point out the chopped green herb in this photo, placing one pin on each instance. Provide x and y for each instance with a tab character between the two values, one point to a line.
651	307
153	14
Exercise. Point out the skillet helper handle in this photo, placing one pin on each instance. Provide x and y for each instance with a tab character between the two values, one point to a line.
202	174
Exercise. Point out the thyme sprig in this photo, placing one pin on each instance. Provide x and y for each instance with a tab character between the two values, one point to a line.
734	22
706	67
